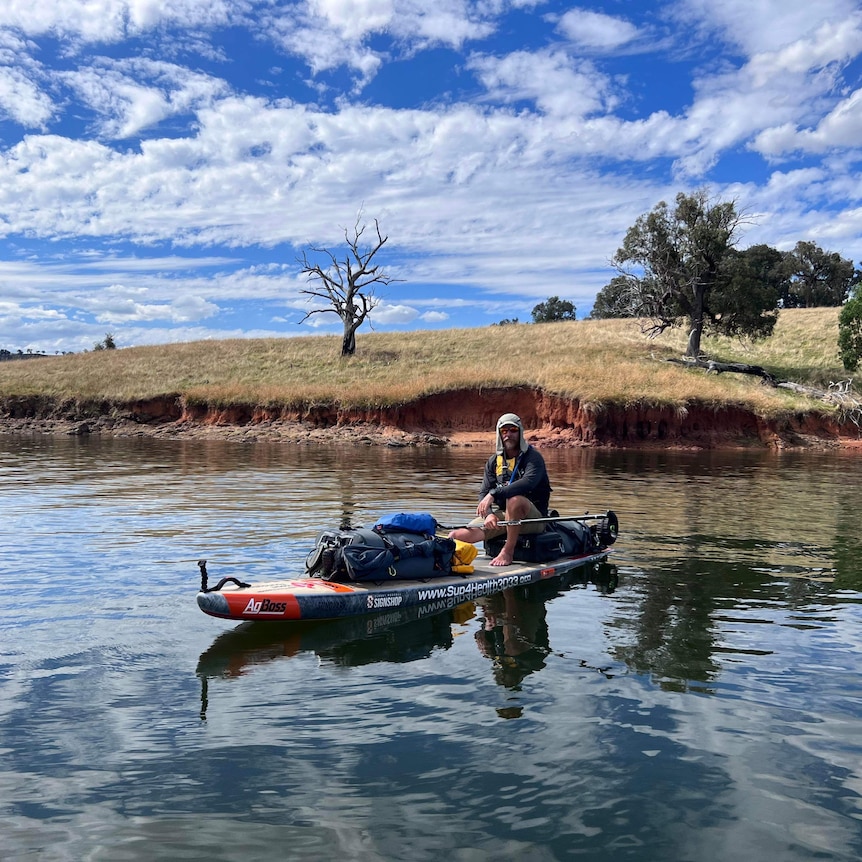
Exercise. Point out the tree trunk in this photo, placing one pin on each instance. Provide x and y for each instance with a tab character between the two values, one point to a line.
696	331
348	341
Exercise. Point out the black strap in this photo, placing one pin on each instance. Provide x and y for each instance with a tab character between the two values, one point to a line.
202	565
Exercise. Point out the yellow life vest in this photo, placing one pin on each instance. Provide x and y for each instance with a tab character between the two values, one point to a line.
505	469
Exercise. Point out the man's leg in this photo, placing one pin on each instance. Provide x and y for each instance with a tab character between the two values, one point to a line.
517	508
468	534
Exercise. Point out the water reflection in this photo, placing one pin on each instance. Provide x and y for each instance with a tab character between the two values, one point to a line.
400	635
707	705
513	633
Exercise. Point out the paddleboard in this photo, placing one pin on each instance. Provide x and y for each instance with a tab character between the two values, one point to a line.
309	598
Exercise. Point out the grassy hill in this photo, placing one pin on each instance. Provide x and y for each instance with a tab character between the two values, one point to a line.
607	362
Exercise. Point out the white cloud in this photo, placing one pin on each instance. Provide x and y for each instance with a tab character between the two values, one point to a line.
353	19
12	313
557	84
189	308
332	33
324	49
118	305
816	61
758	26
22	99
110	20
258	173
596	30
817	51
135	95
391	314
761	102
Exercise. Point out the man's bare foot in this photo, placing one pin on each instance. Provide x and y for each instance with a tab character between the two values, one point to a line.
502	559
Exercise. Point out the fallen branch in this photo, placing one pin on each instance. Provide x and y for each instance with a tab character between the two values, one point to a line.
810	391
713	367
840	394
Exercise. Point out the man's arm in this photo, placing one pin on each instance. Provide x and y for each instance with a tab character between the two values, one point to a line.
489	480
534	472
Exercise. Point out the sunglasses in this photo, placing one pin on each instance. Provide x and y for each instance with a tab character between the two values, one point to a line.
509	429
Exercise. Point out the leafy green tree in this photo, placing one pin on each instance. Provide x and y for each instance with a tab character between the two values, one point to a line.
674	263
850	332
616	299
107	344
816	277
744	301
554	308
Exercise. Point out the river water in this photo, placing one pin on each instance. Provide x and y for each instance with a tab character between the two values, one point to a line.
696	698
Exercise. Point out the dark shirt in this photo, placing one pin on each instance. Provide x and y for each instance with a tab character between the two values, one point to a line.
530	480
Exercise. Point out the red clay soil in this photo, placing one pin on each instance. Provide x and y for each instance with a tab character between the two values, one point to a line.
462	418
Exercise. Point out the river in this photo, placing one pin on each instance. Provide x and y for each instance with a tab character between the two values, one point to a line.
696	698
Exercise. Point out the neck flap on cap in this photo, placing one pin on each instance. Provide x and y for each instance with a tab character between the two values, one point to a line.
511	419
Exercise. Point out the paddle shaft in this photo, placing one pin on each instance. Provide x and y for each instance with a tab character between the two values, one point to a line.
537	521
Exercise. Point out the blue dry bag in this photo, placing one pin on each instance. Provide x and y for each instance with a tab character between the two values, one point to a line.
407	522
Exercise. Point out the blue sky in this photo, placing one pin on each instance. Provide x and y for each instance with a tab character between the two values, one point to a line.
164	162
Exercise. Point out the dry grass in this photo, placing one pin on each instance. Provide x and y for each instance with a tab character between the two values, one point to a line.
607	361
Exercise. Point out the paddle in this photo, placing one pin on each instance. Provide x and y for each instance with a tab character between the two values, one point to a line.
606	533
612	518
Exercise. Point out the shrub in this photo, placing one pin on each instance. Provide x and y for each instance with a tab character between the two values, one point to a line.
850	333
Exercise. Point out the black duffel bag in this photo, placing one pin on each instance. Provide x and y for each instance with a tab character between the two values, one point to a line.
578	538
531	547
370	555
563	538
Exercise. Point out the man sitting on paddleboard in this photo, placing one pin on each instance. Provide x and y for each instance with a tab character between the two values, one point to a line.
516	483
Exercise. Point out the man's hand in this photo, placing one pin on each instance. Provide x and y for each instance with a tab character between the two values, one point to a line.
485	506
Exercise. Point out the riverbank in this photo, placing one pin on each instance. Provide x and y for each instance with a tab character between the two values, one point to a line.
586	383
457	419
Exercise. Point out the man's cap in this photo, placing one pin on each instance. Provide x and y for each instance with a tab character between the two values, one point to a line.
511	419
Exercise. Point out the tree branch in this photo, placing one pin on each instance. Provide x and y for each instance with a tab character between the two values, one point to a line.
714	367
839	394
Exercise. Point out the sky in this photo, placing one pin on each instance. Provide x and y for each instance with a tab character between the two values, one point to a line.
165	163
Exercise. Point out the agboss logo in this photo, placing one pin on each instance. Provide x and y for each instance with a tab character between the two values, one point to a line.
265	606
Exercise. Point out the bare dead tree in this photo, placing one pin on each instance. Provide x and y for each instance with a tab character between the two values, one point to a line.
346	286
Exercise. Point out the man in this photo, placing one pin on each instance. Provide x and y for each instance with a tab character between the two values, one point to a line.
516	483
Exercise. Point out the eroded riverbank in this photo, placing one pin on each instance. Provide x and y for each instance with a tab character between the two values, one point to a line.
463	418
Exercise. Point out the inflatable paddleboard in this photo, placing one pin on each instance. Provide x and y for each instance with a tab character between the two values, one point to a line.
310	598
